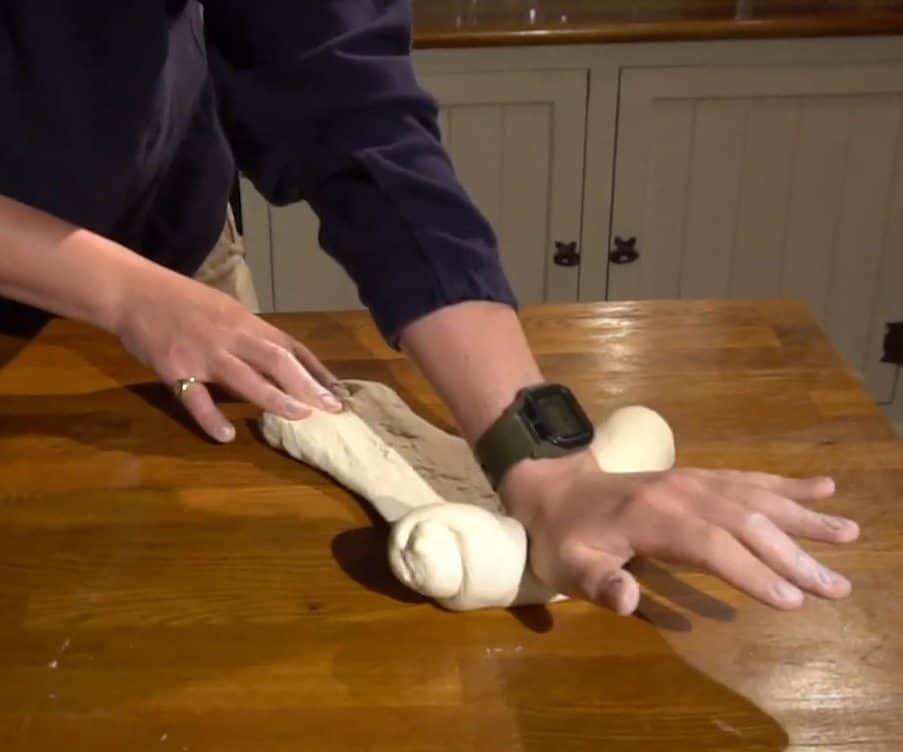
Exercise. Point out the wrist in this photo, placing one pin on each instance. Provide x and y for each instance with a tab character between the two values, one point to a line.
113	288
530	484
135	283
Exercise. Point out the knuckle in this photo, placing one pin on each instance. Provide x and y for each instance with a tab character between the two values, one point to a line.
711	543
273	400
175	353
683	482
649	496
655	499
278	358
755	522
219	360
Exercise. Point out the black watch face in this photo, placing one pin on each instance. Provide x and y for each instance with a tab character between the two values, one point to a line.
557	417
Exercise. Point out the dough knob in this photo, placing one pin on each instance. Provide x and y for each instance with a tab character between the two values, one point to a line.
463	556
634	439
432	560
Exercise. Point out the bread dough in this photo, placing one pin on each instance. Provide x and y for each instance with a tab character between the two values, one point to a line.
450	538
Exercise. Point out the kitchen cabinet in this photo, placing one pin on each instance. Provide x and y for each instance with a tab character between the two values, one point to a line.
666	170
766	181
516	140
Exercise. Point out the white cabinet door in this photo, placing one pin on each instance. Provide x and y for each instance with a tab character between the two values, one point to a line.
516	140
767	181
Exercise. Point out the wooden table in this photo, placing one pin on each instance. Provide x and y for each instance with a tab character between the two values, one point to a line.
160	592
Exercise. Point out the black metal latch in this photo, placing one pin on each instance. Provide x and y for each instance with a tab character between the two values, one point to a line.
624	252
893	343
566	254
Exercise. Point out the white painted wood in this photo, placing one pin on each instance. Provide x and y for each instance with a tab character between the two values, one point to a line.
762	180
305	277
598	181
665	199
820	164
523	222
828	50
860	234
756	262
767	216
476	151
516	140
444	128
887	304
713	188
257	243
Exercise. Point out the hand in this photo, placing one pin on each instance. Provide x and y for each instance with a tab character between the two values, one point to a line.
585	525
181	328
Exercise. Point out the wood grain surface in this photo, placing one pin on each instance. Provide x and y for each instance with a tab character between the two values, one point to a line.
468	23
160	592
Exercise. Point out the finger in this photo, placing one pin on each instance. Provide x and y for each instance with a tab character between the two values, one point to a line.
802	489
316	368
303	354
798	520
240	378
695	541
775	548
203	409
287	371
598	577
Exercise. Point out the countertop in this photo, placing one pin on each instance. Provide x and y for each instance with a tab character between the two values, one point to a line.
472	23
160	592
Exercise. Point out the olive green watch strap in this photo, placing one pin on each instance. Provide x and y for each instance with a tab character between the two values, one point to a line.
508	441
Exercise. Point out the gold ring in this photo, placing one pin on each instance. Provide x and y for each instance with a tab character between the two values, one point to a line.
183	385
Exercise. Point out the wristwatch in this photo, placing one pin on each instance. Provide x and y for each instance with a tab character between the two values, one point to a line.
544	421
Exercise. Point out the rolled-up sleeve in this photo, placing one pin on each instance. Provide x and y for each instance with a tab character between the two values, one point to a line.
320	103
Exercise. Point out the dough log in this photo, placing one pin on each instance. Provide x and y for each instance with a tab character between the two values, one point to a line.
450	539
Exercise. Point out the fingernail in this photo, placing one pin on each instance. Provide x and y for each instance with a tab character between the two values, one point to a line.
787	592
835	523
225	433
827	481
331	403
340	390
829	578
825	577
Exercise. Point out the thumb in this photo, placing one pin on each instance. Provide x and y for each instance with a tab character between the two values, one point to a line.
598	576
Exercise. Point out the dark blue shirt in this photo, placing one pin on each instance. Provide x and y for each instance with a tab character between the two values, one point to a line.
128	118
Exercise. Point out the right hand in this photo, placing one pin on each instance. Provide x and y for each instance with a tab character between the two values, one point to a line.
585	525
181	328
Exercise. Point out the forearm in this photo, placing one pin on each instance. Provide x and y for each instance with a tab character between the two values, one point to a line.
60	268
476	356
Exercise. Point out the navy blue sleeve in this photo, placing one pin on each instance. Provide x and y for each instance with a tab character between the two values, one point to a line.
320	103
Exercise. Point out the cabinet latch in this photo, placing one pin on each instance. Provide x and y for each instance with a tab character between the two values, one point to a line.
624	252
893	343
566	254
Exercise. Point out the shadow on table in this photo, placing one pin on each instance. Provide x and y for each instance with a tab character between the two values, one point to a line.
361	554
651	701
